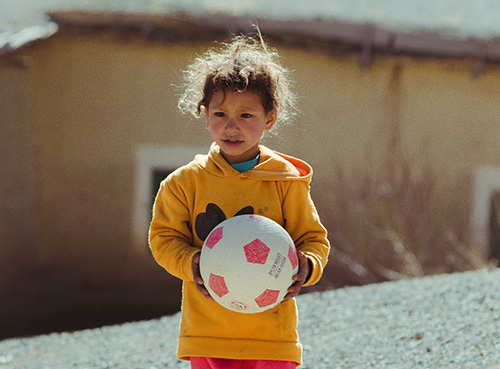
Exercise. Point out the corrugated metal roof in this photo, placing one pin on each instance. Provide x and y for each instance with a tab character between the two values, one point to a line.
331	37
442	28
458	18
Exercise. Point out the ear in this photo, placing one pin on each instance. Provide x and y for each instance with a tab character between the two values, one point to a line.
271	119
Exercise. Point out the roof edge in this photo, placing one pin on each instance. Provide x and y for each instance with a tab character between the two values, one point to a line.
334	37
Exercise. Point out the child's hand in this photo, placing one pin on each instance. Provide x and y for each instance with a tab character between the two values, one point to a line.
299	278
197	277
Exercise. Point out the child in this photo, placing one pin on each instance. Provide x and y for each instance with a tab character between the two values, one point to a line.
243	91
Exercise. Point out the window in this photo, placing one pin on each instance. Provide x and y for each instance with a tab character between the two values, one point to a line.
158	176
494	245
153	164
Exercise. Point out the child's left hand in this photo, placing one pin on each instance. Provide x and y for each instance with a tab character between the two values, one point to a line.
299	278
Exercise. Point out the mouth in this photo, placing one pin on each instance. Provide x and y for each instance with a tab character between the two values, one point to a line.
232	142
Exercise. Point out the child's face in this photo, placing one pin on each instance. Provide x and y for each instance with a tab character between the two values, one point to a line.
237	121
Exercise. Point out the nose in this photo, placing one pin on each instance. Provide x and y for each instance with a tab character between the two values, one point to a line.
231	125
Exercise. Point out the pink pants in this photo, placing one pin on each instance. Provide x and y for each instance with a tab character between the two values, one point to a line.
213	363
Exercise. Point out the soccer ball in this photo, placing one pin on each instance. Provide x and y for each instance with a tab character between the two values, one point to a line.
247	263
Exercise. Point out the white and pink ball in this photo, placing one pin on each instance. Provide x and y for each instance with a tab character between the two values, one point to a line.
247	263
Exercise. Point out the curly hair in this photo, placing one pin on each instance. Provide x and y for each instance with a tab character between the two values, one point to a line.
246	63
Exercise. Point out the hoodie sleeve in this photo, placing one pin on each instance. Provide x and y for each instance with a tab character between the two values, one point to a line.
170	237
305	228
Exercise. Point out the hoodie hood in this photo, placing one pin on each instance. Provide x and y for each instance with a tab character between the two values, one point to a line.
273	166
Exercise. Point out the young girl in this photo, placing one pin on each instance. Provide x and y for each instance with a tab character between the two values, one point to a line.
243	92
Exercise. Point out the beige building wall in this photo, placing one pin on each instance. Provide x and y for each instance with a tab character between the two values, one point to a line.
447	120
99	100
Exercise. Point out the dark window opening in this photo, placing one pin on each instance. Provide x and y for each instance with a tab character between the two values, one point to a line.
158	176
495	226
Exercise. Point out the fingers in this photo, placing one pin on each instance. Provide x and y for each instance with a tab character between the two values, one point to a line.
200	285
196	269
204	291
303	268
299	278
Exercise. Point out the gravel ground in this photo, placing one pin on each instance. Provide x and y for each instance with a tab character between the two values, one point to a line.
448	321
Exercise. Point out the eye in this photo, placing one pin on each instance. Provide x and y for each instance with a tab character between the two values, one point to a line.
219	114
246	115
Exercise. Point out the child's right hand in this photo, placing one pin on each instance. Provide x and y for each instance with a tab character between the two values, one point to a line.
197	277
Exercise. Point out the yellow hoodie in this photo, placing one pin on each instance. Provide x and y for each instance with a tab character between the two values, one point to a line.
190	203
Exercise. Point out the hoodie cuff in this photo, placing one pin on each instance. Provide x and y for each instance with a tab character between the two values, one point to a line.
315	270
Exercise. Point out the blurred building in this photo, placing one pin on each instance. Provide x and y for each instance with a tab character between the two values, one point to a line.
89	125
